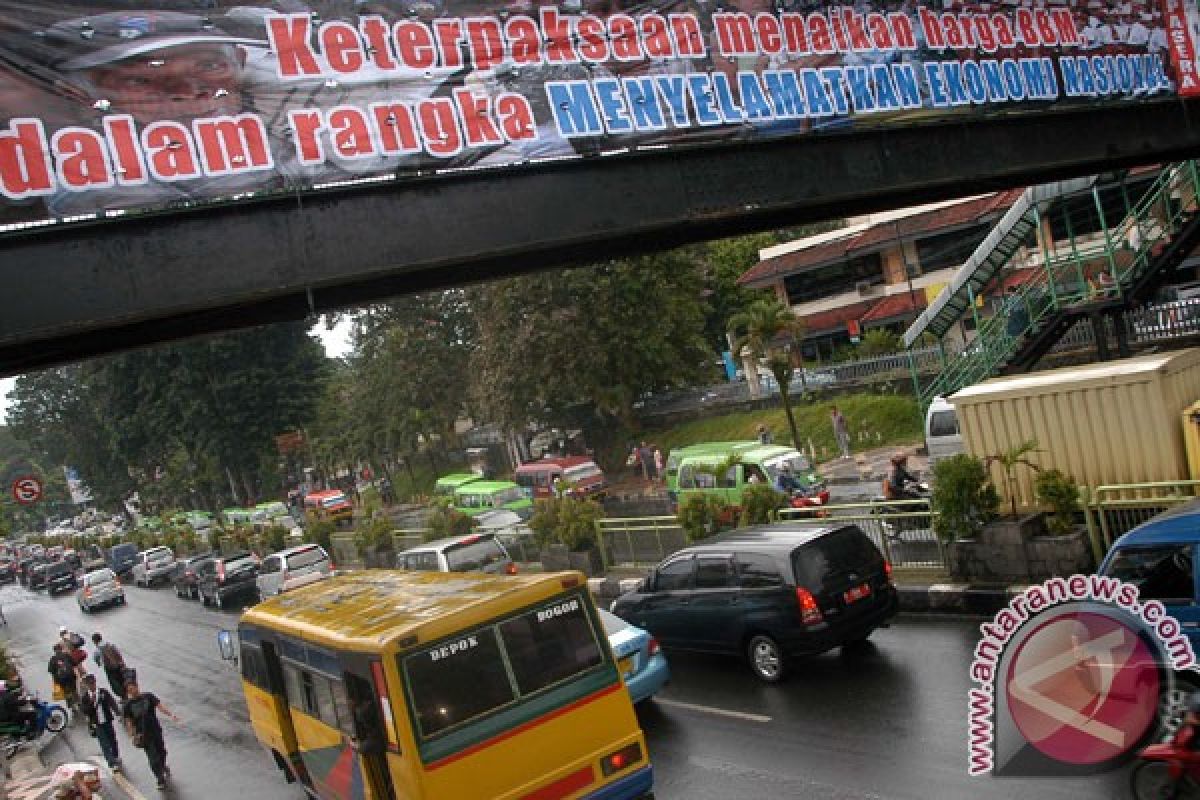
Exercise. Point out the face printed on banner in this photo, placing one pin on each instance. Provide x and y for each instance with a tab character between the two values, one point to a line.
23	96
180	83
19	96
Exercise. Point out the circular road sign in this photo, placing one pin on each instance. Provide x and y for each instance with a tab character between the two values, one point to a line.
27	490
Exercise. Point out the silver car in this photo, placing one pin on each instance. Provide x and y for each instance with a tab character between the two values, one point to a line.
99	588
153	565
476	552
297	566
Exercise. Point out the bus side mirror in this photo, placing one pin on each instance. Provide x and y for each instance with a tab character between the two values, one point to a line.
226	645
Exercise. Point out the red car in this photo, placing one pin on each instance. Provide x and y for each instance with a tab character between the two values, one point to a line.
583	477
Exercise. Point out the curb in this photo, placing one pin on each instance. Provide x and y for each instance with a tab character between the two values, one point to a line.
946	598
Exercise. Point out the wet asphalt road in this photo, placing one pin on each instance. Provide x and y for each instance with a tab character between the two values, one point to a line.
889	722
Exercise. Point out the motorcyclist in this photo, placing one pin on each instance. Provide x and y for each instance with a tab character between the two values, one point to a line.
1188	735
785	481
62	669
901	484
13	709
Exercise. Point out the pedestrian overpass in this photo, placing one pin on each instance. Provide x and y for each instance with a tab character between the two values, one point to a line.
1075	254
95	285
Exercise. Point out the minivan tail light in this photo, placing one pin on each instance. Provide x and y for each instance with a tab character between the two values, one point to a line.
810	612
887	570
652	647
510	568
220	572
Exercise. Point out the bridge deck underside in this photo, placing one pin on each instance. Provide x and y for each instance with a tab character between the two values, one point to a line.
91	288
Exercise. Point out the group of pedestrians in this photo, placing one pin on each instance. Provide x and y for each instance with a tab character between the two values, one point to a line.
137	710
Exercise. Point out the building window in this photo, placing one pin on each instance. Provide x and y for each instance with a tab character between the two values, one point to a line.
833	279
949	249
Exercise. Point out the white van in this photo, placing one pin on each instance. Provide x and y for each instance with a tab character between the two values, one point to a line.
942	436
289	569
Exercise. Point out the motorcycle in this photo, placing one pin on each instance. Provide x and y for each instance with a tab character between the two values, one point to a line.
1168	771
916	510
815	496
50	717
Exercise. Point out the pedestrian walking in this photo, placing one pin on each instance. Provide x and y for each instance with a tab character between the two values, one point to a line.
764	434
62	672
109	658
141	722
102	711
646	454
841	431
658	463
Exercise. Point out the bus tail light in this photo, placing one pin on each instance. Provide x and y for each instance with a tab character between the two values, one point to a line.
570	583
810	612
385	705
623	759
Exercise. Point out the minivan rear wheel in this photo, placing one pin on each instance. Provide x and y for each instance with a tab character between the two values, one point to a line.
766	658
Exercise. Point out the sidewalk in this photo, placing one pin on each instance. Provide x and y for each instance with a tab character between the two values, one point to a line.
871	465
32	770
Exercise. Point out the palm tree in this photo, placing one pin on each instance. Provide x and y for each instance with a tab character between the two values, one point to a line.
1009	460
767	328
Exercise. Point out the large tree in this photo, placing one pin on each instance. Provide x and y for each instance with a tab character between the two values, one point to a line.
598	337
175	422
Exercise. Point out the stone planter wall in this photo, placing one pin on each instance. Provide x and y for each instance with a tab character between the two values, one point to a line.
555	558
1013	551
588	562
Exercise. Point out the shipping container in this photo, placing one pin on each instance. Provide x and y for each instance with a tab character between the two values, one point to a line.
1115	422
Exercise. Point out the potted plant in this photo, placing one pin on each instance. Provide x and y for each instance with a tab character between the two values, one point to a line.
375	543
1014	528
568	523
703	515
1067	549
964	501
963	498
445	520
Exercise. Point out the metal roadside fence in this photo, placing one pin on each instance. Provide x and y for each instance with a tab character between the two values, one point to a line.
1111	511
638	541
902	530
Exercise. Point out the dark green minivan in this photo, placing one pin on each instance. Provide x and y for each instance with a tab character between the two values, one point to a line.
767	593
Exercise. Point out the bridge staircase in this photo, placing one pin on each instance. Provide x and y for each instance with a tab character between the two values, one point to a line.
1146	229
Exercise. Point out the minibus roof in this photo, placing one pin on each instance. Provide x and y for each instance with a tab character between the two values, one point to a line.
484	487
368	610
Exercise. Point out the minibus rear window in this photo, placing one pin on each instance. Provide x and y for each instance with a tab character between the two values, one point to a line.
943	423
474	555
476	673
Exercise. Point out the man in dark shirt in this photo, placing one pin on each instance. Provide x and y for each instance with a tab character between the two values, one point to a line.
141	722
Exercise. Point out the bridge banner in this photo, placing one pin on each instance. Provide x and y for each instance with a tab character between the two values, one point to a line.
113	107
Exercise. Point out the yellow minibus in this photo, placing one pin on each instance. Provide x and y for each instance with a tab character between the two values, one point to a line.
384	684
